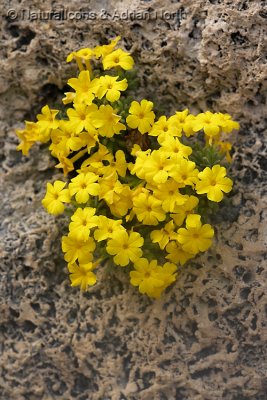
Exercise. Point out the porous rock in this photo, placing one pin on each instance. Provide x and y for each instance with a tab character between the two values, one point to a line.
204	339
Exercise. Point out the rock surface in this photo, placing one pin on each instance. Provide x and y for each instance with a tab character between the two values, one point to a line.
204	340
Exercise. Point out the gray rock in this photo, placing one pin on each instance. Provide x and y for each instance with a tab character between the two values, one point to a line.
205	338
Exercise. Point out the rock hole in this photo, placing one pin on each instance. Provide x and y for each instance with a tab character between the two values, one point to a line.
26	37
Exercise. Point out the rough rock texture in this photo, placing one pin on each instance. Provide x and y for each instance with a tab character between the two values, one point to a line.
206	338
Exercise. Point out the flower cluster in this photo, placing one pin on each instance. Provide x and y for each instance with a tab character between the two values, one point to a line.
138	180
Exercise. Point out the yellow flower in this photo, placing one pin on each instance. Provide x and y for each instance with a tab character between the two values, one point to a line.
83	220
82	275
168	274
141	118
47	120
65	163
157	167
55	196
146	276
148	209
209	122
65	140
118	58
71	56
78	249
164	127
110	188
95	161
226	122
83	88
225	148
69	97
169	195
104	50
181	212
107	121
164	235
139	167
81	55
123	203
84	185
179	117
106	228
188	125
125	247
184	121
85	53
109	86
176	254
80	117
174	148
25	144
29	135
135	149
195	237
152	278
118	165
214	183
185	173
